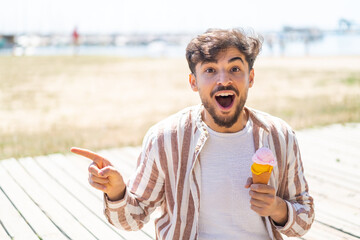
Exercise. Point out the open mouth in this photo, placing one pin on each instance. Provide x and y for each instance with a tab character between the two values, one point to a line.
225	100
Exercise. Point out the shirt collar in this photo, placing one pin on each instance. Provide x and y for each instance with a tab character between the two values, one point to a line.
258	119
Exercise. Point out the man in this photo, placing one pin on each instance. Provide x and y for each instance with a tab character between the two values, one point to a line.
194	165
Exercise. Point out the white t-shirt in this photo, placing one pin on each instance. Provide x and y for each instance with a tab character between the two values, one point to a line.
225	211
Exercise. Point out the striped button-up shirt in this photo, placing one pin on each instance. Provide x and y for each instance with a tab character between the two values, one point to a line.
168	176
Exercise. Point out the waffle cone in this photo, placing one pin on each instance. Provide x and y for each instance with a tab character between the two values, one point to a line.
262	178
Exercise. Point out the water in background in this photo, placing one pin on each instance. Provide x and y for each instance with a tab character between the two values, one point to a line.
329	45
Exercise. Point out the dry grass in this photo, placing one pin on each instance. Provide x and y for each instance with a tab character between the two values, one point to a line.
48	104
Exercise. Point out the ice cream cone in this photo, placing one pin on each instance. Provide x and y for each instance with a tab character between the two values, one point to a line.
264	161
262	178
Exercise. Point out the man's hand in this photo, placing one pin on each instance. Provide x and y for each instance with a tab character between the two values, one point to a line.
266	203
102	175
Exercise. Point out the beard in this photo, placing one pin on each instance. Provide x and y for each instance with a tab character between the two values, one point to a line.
227	121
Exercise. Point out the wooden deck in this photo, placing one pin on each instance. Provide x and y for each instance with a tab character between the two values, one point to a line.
48	197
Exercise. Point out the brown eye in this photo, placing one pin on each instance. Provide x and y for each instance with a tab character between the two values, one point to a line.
235	69
210	70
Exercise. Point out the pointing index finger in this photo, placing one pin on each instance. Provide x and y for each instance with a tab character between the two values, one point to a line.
100	161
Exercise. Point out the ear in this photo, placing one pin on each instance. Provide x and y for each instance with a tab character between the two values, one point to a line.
192	81
251	77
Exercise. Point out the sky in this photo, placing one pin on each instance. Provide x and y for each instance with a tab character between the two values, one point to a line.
161	16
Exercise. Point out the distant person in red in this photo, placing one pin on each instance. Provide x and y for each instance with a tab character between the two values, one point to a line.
75	38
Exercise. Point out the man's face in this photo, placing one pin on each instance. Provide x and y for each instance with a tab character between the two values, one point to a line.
223	86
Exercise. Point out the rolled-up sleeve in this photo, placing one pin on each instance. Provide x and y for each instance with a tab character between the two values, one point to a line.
299	203
144	191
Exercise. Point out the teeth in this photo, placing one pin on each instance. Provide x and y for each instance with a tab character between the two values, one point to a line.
224	94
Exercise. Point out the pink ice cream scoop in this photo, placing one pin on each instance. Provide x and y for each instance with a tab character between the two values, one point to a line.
264	161
264	156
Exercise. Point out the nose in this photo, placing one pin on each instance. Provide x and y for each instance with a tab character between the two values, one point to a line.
224	79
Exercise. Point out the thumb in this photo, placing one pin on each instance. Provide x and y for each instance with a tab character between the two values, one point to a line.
249	181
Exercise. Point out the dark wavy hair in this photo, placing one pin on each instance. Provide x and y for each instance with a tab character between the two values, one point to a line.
206	47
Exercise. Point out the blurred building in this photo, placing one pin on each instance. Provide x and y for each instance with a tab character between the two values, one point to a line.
7	41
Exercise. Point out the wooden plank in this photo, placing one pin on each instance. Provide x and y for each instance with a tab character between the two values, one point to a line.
36	219
11	219
332	183
333	172
326	164
77	206
319	231
120	162
64	162
84	191
336	193
76	229
77	168
51	206
342	215
339	216
88	202
82	163
325	159
322	200
129	153
330	150
132	153
347	136
3	232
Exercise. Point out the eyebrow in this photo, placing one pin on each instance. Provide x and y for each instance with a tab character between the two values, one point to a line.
230	60
236	58
215	61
